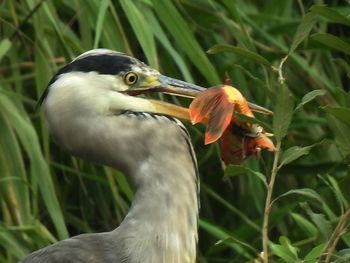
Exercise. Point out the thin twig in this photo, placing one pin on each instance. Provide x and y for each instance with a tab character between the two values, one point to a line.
268	205
339	230
279	70
26	19
31	64
301	6
281	78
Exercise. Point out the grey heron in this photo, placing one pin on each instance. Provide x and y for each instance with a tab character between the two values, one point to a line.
90	113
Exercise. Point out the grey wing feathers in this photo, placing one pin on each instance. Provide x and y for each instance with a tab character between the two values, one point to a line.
84	248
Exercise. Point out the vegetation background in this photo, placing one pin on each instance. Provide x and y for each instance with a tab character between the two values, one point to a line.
291	56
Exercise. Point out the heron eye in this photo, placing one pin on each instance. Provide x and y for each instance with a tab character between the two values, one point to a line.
130	78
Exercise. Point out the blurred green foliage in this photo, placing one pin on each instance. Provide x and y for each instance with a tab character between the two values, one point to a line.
47	195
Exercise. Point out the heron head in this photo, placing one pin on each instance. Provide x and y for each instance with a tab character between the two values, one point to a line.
103	81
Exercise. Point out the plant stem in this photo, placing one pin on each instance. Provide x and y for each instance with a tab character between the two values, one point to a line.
279	70
339	230
265	230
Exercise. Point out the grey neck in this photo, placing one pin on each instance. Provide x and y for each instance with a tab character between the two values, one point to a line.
163	215
155	152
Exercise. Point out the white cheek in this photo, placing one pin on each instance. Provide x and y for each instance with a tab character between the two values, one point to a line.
86	94
79	93
118	84
90	80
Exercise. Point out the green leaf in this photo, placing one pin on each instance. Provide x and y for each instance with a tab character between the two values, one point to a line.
233	240
234	170
314	253
342	256
330	14
284	241
323	225
332	42
220	234
104	4
303	30
51	17
285	251
310	96
296	152
161	36
13	244
305	225
43	71
307	192
283	112
241	52
247	221
5	46
341	133
39	169
341	113
259	175
337	192
124	185
344	64
184	38
12	174
142	31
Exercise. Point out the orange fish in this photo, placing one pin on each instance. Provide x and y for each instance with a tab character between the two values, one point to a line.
239	140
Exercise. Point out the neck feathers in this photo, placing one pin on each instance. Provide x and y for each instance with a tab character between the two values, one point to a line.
164	214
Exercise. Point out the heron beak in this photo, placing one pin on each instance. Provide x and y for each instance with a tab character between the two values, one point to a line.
171	86
175	87
184	89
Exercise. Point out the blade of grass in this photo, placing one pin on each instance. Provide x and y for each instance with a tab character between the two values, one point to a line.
142	31
39	169
185	39
100	19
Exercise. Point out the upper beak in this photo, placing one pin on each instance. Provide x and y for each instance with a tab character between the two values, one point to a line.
178	87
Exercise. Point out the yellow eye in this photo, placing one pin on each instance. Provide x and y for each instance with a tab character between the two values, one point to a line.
130	78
